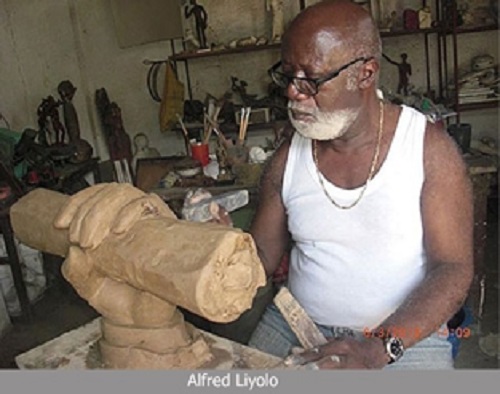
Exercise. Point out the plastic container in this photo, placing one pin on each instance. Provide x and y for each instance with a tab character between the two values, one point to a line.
199	152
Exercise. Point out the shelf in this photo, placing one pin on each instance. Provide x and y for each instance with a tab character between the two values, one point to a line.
479	105
475	29
233	127
460	30
252	48
230	127
473	106
409	32
248	48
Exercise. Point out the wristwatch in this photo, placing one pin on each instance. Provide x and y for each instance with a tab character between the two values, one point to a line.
394	348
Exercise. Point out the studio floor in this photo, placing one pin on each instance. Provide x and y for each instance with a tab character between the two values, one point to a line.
61	310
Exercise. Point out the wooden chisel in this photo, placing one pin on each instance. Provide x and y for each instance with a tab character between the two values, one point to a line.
301	324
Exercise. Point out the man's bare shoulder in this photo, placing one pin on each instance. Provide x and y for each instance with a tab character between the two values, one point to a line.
442	156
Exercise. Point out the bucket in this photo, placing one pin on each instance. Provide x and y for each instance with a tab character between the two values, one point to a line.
461	133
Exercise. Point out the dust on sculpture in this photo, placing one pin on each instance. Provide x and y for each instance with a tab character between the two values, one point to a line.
134	262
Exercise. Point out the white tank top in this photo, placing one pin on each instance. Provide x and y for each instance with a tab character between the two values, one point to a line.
353	268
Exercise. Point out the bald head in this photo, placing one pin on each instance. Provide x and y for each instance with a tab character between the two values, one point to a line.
335	25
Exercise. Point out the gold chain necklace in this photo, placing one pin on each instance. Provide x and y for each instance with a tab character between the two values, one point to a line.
372	168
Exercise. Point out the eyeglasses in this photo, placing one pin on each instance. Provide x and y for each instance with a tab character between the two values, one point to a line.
308	86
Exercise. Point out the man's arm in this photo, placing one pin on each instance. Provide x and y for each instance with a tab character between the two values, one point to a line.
390	60
447	215
269	226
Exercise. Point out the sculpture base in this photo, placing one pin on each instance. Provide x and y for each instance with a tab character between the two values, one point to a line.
79	349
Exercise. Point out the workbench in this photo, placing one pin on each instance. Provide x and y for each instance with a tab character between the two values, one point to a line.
78	350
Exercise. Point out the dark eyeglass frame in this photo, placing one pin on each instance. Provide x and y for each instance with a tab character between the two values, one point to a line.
316	82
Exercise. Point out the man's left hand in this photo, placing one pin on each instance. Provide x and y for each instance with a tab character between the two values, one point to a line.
345	353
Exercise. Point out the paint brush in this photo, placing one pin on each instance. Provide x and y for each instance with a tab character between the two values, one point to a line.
185	134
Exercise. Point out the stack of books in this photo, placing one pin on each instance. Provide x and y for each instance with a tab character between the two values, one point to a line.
476	95
479	86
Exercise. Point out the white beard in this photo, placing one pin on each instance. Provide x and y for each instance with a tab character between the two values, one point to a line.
326	125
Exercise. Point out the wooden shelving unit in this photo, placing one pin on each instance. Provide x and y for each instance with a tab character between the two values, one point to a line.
455	32
187	56
479	105
398	33
229	51
229	128
475	29
426	34
447	27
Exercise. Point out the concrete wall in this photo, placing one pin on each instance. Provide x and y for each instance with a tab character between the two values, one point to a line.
46	41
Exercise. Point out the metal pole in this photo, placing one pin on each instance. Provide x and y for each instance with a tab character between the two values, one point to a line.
427	63
455	60
188	77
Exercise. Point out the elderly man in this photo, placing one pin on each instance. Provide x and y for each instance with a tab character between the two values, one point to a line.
375	200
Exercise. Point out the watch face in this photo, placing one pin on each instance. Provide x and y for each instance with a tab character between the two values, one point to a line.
394	348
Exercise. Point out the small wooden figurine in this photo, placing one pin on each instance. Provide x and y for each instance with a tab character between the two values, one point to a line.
404	69
201	18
